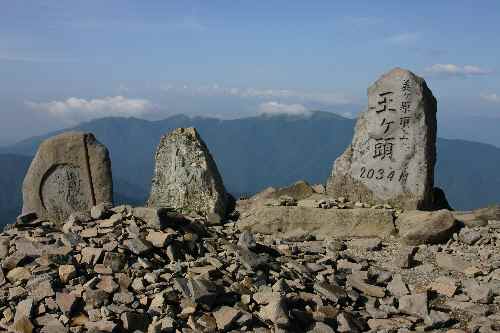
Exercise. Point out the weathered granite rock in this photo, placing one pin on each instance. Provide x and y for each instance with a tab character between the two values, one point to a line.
417	227
321	223
391	158
70	172
186	176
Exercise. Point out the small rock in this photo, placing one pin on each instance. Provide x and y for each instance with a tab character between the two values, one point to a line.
138	246
225	317
415	305
158	238
444	285
66	302
366	244
134	321
276	312
420	227
397	287
469	236
101	211
18	274
357	282
331	292
247	240
66	273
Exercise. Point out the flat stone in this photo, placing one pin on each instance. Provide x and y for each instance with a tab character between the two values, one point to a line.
357	282
247	240
415	305
319	223
134	321
478	293
366	244
107	284
24	309
469	307
469	236
42	290
89	233
225	317
347	323
404	258
138	246
379	325
22	325
101	210
451	262
444	285
320	327
419	227
95	298
66	273
115	261
397	287
66	302
101	326
18	274
276	312
330	292
202	292
159	239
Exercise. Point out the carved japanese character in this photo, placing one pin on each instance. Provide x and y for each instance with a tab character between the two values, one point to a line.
383	149
384	102
387	125
405	106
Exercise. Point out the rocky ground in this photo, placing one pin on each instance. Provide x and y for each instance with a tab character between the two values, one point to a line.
140	269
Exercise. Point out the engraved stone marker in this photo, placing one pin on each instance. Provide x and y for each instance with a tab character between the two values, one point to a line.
186	176
392	156
70	172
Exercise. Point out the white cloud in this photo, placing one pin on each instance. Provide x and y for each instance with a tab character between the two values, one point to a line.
78	109
456	70
276	108
404	38
327	98
490	97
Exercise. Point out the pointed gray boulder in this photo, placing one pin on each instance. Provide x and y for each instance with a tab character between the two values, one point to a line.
186	176
392	155
70	172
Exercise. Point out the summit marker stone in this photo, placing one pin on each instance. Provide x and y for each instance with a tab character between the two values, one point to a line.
186	176
393	152
70	172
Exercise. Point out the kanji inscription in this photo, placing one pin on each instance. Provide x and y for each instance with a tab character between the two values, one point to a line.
392	155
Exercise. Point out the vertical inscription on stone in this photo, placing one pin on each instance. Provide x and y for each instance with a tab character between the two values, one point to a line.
393	150
70	172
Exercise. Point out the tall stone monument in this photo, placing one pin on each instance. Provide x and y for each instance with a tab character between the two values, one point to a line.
393	152
186	176
70	172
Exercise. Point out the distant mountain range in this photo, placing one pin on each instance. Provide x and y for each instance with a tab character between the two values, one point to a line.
254	153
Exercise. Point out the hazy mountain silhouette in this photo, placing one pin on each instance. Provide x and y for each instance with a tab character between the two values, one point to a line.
253	153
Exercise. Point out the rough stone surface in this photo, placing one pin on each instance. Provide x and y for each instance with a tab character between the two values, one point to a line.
70	172
321	223
418	227
223	280
186	176
393	152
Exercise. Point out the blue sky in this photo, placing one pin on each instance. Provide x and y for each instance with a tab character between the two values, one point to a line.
62	62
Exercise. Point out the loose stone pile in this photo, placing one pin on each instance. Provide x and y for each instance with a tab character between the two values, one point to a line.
143	269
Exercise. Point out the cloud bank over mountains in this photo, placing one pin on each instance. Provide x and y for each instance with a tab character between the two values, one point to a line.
74	110
450	70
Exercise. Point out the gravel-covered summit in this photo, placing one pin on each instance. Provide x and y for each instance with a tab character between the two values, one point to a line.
141	269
